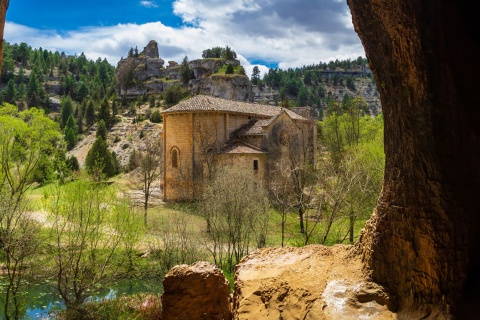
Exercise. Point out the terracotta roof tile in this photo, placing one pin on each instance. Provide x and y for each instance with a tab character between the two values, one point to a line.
236	147
211	104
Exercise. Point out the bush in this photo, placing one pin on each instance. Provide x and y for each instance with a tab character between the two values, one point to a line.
230	69
174	94
141	307
156	117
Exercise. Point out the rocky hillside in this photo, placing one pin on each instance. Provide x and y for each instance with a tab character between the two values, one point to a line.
144	74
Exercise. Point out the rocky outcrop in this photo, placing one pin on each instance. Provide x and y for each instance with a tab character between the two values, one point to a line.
148	75
422	242
151	50
313	282
232	87
197	291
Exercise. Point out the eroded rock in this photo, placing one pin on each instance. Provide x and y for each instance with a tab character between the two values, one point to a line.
197	291
313	282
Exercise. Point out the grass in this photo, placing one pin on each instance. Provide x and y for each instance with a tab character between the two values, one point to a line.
135	307
223	69
160	218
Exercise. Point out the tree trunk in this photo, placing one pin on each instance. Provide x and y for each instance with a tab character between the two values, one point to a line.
3	12
422	240
301	211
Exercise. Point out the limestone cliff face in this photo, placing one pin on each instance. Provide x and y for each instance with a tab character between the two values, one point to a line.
148	75
422	241
232	87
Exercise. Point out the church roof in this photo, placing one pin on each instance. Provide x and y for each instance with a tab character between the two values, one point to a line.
236	147
202	103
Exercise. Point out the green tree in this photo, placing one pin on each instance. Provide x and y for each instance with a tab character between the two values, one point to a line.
26	138
90	113
10	92
82	91
34	97
174	94
156	117
66	110
90	229
255	75
105	113
186	73
228	53
101	130
70	132
99	161
230	69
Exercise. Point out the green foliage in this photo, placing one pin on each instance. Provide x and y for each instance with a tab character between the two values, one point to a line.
105	113
80	78
27	139
72	163
66	110
186	74
99	161
70	138
255	78
101	130
91	230
156	117
230	69
218	52
174	94
90	113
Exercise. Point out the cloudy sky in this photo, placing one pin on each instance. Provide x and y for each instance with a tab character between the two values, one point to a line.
268	33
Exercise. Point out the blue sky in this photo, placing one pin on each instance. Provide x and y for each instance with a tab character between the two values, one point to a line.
267	33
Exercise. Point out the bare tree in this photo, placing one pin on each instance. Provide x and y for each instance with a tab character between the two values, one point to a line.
235	207
176	241
150	167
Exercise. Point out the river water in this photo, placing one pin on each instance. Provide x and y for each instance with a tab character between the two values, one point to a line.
41	299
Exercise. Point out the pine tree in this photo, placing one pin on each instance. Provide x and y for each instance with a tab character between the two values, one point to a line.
255	75
66	110
10	91
90	113
230	69
102	130
185	72
99	160
70	132
104	113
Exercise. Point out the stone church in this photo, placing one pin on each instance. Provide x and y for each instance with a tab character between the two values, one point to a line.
204	132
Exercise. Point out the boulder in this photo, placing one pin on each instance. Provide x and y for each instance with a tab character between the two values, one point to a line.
312	282
197	291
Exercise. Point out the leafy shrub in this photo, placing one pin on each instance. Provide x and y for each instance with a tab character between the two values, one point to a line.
156	117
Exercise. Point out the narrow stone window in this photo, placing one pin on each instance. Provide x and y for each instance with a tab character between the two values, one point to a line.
174	158
255	165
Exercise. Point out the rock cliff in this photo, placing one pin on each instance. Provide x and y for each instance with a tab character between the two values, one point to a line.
232	87
146	74
422	242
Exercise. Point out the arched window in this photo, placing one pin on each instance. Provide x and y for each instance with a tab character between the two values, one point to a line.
174	154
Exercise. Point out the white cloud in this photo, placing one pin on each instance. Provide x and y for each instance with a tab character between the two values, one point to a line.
291	33
148	4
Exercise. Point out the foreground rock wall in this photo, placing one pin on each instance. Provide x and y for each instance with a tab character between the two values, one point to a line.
422	241
197	291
